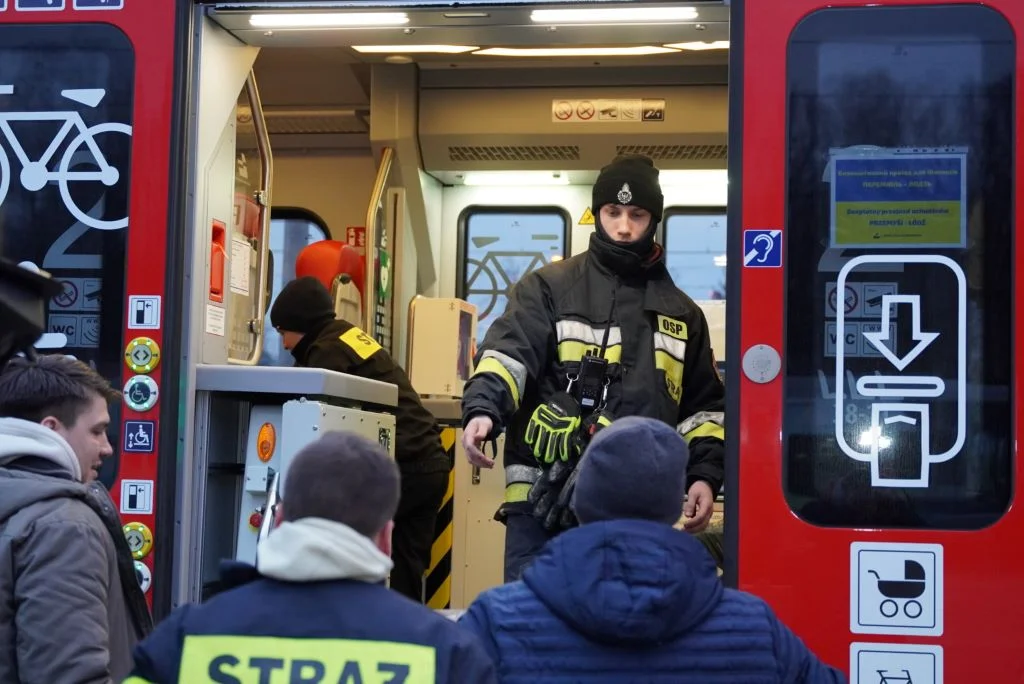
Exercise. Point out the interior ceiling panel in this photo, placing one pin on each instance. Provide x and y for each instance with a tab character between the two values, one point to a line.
480	25
316	88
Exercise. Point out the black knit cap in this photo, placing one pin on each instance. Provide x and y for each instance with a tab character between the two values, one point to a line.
630	179
303	304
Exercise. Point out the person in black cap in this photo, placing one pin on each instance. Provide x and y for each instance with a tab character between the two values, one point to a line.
602	335
304	316
625	596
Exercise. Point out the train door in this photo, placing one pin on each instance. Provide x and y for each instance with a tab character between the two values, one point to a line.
874	160
85	123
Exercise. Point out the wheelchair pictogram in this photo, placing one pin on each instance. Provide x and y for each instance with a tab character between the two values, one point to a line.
82	150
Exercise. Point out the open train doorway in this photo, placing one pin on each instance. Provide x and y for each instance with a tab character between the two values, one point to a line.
456	150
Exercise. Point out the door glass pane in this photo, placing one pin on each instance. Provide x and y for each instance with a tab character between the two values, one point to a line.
899	236
66	101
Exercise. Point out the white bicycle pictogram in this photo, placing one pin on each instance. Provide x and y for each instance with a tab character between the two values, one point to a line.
35	174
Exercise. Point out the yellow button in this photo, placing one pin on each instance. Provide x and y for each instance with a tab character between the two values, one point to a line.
140	539
142	355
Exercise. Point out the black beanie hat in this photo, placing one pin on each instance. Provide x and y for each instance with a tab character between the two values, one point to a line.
302	305
633	469
630	179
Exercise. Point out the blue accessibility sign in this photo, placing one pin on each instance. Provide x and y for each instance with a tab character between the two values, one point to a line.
762	248
139	436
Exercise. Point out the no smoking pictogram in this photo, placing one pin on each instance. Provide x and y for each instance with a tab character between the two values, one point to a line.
68	295
850	299
585	110
563	110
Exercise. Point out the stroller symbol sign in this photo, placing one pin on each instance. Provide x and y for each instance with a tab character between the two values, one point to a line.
896	589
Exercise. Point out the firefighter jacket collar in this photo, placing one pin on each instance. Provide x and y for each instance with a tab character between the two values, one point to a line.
315	549
301	350
620	261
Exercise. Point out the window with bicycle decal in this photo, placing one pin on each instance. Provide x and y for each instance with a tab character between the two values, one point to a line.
498	246
66	101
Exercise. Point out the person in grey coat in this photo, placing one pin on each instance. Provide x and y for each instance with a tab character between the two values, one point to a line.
71	609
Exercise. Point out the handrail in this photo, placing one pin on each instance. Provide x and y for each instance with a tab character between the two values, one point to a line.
262	196
387	157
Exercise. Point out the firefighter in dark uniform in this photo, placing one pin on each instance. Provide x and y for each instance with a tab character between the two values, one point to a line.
304	316
602	335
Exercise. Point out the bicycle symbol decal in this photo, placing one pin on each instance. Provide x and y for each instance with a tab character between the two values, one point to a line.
488	278
35	174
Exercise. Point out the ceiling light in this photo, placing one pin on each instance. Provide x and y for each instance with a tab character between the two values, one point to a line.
515	178
328	20
393	49
633	51
628	15
700	45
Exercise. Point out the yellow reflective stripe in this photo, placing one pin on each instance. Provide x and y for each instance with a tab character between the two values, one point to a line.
673	368
135	679
490	364
516	492
705	430
254	660
571	351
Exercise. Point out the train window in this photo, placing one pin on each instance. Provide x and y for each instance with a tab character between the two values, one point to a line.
695	250
899	249
291	230
498	246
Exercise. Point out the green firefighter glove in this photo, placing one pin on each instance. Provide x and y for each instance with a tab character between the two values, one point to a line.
551	432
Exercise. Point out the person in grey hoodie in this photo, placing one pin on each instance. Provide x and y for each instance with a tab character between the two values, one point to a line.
71	609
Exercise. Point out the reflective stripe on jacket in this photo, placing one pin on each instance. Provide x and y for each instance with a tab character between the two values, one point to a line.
658	347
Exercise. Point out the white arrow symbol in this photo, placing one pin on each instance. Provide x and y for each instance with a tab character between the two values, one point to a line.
880	338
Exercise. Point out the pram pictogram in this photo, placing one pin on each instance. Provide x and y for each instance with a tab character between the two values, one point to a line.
910	587
887	678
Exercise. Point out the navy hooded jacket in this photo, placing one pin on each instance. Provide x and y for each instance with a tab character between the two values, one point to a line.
635	601
315	612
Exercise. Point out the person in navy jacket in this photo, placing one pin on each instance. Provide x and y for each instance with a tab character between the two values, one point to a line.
626	597
315	608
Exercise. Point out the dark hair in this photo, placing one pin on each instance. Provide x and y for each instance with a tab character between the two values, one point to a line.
345	478
50	385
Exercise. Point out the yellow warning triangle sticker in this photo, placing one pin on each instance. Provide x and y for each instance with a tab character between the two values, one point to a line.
587	219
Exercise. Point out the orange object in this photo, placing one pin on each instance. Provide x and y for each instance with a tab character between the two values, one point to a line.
218	261
327	259
266	440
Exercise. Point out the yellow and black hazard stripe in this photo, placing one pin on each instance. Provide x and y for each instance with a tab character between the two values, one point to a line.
439	574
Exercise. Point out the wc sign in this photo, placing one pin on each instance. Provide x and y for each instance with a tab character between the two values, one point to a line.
916	421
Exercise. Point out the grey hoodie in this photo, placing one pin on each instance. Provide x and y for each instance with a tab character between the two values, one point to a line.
67	613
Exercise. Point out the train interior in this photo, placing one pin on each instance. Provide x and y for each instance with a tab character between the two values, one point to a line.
462	142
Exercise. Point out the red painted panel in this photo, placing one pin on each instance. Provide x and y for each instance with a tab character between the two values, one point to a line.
801	569
149	25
